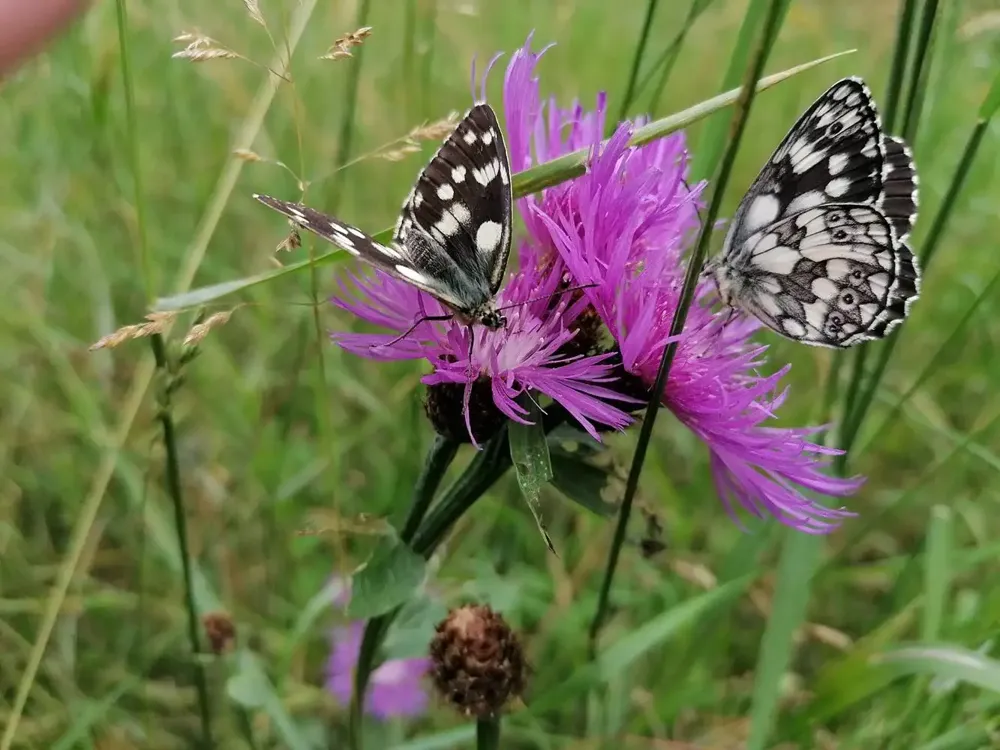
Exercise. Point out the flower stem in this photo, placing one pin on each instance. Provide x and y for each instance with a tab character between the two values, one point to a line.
775	16
439	458
488	733
173	480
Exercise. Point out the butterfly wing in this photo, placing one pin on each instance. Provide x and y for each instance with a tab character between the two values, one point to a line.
834	153
462	202
396	260
829	276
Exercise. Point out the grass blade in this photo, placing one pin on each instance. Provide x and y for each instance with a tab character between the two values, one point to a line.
665	63
640	50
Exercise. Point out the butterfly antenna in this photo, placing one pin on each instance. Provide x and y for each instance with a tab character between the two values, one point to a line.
548	296
408	331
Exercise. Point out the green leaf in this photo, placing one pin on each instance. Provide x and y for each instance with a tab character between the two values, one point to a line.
389	578
585	484
525	183
205	294
529	452
946	661
250	688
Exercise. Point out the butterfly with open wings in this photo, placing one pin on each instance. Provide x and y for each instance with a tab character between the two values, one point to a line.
453	235
817	250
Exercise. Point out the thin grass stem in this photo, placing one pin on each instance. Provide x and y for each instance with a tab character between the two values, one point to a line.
488	733
640	50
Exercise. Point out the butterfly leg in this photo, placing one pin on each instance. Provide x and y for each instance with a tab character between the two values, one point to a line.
408	331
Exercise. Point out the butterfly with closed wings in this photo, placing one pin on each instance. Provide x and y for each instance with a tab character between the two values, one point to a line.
817	250
453	235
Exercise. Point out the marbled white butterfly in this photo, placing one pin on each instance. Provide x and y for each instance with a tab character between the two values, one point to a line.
817	249
452	238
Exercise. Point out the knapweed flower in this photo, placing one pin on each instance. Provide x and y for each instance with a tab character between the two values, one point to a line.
623	228
395	689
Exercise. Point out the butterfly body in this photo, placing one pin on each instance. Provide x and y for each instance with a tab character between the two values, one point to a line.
817	250
453	236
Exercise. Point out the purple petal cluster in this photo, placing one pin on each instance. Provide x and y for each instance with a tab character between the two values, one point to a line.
623	228
395	689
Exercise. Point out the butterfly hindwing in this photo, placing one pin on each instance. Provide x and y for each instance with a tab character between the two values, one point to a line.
462	200
826	276
394	259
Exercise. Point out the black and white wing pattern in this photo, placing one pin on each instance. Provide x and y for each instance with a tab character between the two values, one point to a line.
827	219
453	236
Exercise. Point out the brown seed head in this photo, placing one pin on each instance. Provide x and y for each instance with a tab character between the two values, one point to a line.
220	631
477	661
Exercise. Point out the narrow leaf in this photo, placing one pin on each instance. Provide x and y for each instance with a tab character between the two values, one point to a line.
529	452
945	660
390	577
589	486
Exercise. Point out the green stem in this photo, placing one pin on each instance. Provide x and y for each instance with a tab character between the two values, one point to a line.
488	733
640	50
439	458
668	58
919	72
173	480
898	71
738	126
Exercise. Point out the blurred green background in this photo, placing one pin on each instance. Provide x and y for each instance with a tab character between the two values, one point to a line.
293	451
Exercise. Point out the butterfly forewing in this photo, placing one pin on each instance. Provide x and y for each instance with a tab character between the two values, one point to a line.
462	199
453	236
394	259
833	154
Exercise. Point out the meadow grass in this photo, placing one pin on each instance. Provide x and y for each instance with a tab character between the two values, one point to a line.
293	454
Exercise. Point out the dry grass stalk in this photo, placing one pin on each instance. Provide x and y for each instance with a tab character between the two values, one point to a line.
200	330
254	10
292	242
342	46
201	48
410	143
155	323
245	154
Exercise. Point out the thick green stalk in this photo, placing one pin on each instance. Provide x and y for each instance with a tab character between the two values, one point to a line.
775	15
488	733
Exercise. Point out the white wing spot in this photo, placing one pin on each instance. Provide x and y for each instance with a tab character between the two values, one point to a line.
762	211
836	163
389	251
506	180
460	212
357	233
838	186
469	137
793	327
485	175
446	192
488	236
447	225
408	273
458	174
418	198
488	137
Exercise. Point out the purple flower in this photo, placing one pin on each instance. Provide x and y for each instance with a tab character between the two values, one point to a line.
395	689
529	354
623	226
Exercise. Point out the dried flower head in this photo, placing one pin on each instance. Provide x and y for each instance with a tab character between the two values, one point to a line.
477	663
341	47
201	48
220	630
245	154
254	10
200	330
155	323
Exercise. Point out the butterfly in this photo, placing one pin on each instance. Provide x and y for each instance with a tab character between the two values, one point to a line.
453	235
818	248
